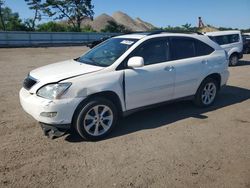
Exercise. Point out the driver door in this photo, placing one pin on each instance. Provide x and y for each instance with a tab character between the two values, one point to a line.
154	82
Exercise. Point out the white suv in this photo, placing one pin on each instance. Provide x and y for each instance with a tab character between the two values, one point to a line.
231	41
122	75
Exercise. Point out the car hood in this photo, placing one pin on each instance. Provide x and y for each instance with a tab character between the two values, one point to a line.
62	70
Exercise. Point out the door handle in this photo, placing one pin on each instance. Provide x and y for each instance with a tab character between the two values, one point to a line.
169	68
204	62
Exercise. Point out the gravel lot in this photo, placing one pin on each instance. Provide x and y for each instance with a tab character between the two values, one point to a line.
176	145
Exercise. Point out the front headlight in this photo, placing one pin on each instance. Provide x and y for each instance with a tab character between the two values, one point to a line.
53	91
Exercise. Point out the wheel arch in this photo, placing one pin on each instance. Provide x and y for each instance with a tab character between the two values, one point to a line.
109	95
235	53
215	76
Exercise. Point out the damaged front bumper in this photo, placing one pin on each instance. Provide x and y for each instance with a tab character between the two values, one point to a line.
50	112
54	131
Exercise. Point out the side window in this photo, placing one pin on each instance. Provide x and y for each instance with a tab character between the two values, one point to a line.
153	51
202	49
221	40
226	39
182	48
234	38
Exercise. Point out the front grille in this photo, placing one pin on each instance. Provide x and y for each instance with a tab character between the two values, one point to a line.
29	82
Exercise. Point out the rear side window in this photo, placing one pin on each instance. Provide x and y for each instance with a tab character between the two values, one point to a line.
233	38
182	48
202	49
225	39
153	51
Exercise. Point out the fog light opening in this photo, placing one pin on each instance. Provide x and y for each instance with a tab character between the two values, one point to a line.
48	114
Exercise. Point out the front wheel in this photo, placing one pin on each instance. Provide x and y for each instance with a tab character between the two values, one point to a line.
206	93
95	119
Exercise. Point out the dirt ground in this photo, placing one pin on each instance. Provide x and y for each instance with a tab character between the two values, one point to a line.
176	145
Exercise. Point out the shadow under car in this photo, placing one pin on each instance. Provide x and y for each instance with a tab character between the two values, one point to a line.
167	114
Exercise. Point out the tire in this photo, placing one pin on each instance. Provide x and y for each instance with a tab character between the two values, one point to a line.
95	119
233	60
206	93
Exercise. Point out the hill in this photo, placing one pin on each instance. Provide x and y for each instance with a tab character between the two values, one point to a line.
121	18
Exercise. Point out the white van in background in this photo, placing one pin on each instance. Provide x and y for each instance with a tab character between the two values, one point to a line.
231	41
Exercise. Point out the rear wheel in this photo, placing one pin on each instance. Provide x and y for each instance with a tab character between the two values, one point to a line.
233	60
247	50
206	93
96	119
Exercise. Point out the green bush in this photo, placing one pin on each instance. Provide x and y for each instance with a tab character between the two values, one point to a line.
87	28
52	27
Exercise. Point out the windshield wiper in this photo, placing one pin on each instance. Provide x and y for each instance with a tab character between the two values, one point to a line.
77	59
88	61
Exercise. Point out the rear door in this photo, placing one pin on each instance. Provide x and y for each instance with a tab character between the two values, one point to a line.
190	64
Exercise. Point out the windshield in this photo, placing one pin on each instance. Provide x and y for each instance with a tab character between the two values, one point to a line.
108	52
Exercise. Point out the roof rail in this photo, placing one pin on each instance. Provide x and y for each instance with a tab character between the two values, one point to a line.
173	31
157	32
137	32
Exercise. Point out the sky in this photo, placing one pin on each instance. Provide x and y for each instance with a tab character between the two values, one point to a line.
161	13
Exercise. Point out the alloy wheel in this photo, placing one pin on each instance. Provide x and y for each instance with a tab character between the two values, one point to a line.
98	120
208	93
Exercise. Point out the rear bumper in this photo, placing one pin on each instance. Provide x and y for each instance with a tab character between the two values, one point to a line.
35	106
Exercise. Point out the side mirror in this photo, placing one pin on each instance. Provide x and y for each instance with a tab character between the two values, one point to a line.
136	62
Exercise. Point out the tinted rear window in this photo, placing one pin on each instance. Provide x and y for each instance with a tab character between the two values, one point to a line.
182	48
202	49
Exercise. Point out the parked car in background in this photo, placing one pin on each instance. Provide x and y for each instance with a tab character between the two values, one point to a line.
96	42
246	43
122	75
231	41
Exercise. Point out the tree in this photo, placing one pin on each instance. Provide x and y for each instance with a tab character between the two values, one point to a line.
1	15
246	30
113	27
75	11
37	7
186	26
88	28
11	21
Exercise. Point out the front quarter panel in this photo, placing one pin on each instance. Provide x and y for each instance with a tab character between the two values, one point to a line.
86	85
